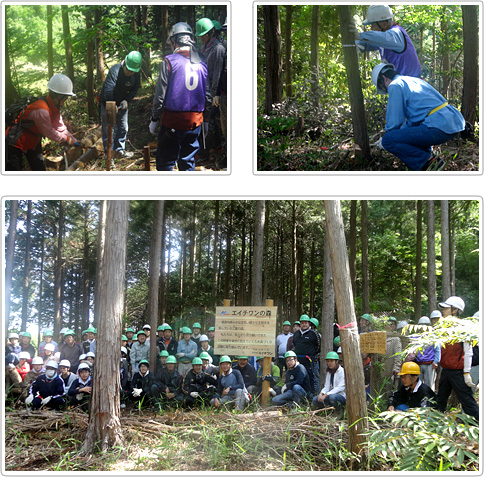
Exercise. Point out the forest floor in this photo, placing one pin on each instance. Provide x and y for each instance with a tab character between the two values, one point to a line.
138	137
293	140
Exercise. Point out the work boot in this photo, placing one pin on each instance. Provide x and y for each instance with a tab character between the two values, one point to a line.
434	164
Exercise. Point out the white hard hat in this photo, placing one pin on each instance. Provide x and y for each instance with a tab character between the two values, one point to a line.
64	330
24	355
379	68
90	355
436	314
124	350
425	320
83	356
61	84
401	324
52	364
65	362
84	366
453	301
339	350
476	315
378	13
146	327
37	360
13	335
204	338
50	346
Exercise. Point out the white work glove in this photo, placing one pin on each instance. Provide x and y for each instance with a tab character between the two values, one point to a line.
137	392
272	392
29	399
216	101
378	144
153	126
79	396
468	380
194	394
46	400
124	104
11	366
360	46
180	355
283	390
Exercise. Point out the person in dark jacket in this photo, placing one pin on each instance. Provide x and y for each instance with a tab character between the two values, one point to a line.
168	343
307	344
71	350
141	384
297	386
413	392
25	344
80	390
247	371
121	86
167	387
198	386
47	390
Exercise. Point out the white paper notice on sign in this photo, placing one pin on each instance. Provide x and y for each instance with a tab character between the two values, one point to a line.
245	330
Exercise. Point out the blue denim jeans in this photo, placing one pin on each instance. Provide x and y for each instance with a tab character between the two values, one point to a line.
291	395
413	145
120	130
177	147
335	400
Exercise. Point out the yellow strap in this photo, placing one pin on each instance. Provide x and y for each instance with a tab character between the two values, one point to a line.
443	105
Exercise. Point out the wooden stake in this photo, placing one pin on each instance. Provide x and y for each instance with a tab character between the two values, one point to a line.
266	369
146	152
111	120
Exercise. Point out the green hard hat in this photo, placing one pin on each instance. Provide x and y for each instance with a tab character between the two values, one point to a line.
67	333
367	317
144	361
185	330
48	333
225	359
204	355
28	335
124	338
392	319
290	354
304	318
259	357
286	323
332	355
91	329
167	327
297	322
160	328
135	337
129	330
314	321
337	341
164	353
196	361
216	24
171	359
242	357
212	328
133	61
203	26
197	325
141	332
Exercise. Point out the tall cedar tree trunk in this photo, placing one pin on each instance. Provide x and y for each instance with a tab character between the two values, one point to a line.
91	107
100	75
418	264
154	276
294	310
40	305
67	42
241	293
101	239
314	61
215	251
445	251
193	241
352	245
191	20
163	286
146	51
104	428
360	130
86	279
288	50
350	341
12	231
165	25
273	43
364	257
228	252
58	273
445	70
431	273
300	273
470	74
183	256
452	250
265	272
311	278
26	278
11	93
258	261
50	48
327	316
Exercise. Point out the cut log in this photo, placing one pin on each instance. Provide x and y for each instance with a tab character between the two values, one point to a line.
87	156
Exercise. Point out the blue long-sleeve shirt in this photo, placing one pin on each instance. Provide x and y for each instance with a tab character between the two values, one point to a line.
233	380
410	100
190	349
391	39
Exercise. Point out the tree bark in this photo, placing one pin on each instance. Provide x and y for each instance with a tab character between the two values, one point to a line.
11	93
257	263
50	48
352	245
86	279
327	317
67	42
104	428
360	130
445	249
215	250
91	107
314	61
100	75
295	312
470	74
26	277
228	258
418	264
350	342
12	231
431	274
364	257
58	272
101	239
154	276
273	42
288	50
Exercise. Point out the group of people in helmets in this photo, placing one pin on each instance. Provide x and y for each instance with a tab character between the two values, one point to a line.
191	88
417	115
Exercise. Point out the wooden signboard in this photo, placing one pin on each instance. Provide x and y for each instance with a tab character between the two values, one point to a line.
245	330
373	342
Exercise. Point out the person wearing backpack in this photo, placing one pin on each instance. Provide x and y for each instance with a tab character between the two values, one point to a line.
41	118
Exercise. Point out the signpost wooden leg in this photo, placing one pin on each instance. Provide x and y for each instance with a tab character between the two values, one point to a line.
146	152
266	369
111	120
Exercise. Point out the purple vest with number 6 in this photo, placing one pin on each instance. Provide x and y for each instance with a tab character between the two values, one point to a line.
187	85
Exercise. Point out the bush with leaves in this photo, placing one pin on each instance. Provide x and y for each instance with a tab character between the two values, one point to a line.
424	439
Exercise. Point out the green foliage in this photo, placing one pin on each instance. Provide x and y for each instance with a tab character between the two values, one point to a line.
423	439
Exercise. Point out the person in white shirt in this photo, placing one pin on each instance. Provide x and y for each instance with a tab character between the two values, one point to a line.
333	392
281	343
